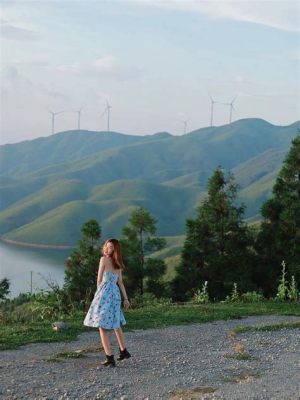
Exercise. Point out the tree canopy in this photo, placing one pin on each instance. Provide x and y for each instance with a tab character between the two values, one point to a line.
138	241
82	265
217	248
279	237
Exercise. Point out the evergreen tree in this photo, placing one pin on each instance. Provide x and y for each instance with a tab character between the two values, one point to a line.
139	240
279	236
217	248
4	288
82	265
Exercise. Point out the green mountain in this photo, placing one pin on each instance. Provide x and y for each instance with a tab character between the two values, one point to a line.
50	186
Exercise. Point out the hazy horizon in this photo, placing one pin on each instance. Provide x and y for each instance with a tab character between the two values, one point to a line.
140	134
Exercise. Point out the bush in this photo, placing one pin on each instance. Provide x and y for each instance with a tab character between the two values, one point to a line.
234	296
41	306
292	292
148	299
251	297
4	288
201	295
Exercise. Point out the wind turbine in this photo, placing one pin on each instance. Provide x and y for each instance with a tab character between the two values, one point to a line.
53	118
184	126
231	108
213	102
107	110
79	116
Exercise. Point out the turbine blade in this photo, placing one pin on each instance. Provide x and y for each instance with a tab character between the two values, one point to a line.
103	112
234	99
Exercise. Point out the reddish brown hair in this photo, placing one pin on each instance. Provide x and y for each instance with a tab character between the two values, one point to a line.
116	256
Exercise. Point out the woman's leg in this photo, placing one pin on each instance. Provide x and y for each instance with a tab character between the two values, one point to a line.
120	338
105	341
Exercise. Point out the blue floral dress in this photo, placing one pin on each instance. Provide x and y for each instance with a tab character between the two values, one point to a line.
105	310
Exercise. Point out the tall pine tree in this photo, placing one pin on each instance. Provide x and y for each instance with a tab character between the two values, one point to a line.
217	248
279	236
138	241
82	265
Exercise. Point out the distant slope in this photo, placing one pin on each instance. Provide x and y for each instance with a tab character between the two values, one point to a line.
110	204
33	206
24	157
256	178
50	186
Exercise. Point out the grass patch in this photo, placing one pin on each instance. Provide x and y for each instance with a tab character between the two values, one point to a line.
273	327
74	353
243	376
239	356
192	394
65	354
16	334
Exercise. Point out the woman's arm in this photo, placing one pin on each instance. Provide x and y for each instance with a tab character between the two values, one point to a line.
122	288
100	271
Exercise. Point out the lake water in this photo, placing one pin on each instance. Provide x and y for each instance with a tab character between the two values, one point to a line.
28	269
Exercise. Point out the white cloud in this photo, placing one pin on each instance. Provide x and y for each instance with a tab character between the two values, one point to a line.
104	66
279	14
18	85
12	32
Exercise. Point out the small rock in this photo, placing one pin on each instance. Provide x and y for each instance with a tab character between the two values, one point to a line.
59	326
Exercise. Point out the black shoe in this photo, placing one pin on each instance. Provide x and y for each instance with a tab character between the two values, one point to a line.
109	362
123	354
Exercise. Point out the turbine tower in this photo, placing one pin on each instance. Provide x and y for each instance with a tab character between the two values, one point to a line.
184	126
231	108
107	110
79	116
213	102
53	118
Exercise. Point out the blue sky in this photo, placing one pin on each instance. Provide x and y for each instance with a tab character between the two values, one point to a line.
156	62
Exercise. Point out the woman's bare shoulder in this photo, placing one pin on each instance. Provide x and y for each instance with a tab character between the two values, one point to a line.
102	261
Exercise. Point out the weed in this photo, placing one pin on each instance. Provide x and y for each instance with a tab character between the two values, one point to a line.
244	376
201	296
273	327
65	354
240	356
192	394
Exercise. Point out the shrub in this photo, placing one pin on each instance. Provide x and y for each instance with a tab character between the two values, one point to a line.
148	299
234	296
251	297
4	288
292	292
282	287
201	295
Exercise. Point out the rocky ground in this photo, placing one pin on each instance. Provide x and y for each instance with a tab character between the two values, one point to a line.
199	361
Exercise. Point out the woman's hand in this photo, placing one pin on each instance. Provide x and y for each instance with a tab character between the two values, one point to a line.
126	304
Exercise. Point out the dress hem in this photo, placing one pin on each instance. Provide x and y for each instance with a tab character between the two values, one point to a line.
105	327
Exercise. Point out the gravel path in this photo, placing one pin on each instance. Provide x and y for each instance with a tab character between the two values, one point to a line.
179	362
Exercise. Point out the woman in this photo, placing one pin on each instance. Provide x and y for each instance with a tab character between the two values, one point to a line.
105	311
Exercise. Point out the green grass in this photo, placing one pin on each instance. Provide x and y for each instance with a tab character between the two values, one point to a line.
65	354
266	328
14	335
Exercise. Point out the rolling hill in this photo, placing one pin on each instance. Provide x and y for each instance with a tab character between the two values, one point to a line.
50	186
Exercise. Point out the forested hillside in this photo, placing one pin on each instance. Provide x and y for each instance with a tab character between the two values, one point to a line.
50	186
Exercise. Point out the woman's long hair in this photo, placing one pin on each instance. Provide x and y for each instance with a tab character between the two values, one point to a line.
116	256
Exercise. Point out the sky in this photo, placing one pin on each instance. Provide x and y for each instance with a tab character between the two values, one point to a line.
157	63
